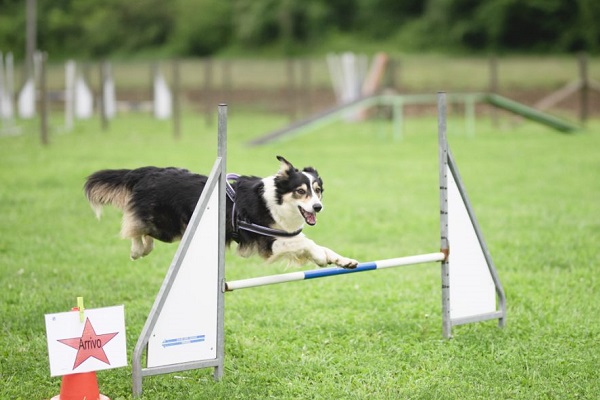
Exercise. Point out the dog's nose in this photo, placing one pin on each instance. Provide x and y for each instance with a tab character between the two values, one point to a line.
317	207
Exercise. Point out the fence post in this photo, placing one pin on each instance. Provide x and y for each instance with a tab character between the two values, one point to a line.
291	78
101	97
584	89
226	82
176	100
305	75
493	65
43	100
207	94
153	71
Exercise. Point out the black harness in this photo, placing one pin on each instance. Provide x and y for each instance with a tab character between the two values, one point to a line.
237	223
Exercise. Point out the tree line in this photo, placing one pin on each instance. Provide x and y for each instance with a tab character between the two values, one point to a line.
94	29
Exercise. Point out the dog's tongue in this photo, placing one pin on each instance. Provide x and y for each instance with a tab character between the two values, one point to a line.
310	218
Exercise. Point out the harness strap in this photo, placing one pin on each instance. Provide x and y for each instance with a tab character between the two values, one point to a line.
237	223
265	230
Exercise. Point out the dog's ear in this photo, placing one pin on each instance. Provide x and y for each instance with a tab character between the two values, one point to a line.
285	167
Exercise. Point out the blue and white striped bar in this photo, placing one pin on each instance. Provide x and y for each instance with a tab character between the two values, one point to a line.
325	272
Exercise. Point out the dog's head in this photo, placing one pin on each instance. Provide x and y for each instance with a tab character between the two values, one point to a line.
298	193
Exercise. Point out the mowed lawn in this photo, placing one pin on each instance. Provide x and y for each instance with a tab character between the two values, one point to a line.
375	335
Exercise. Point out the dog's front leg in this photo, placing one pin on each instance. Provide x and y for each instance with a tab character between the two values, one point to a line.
301	249
340	261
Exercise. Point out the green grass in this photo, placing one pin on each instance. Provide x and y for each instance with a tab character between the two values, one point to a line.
374	335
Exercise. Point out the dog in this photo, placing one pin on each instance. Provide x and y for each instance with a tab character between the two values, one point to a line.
265	216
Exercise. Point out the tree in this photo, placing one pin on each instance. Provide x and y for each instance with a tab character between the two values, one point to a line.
74	28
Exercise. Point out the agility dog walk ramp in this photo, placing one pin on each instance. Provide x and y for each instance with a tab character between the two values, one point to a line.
185	327
397	102
531	113
320	119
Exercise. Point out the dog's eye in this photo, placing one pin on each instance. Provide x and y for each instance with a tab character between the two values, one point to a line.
318	191
301	192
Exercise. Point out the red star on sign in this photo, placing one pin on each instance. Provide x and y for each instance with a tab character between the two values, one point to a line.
89	344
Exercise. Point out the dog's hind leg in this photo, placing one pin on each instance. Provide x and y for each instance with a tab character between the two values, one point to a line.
141	246
134	229
148	244
137	248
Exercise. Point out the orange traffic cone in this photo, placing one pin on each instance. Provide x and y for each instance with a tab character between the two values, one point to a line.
82	386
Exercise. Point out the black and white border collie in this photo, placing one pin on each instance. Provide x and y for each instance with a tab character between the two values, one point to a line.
265	216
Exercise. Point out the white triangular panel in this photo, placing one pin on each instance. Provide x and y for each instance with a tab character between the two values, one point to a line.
186	328
26	100
70	71
84	99
163	102
472	289
6	77
109	97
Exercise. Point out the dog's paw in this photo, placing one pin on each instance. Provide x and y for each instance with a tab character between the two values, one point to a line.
346	263
134	255
140	247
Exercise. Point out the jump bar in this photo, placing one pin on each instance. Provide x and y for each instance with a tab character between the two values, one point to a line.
324	272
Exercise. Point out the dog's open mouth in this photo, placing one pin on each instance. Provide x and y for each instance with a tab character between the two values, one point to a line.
310	218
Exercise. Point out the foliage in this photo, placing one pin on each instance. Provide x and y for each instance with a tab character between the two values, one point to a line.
204	27
93	29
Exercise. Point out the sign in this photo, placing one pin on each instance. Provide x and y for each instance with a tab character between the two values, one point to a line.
97	343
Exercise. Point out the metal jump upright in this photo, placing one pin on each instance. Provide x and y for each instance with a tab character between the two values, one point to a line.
185	327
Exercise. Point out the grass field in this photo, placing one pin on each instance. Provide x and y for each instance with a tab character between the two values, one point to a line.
374	335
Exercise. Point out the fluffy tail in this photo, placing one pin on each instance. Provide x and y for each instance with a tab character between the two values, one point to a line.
110	186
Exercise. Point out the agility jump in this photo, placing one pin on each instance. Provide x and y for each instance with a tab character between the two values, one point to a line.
185	327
